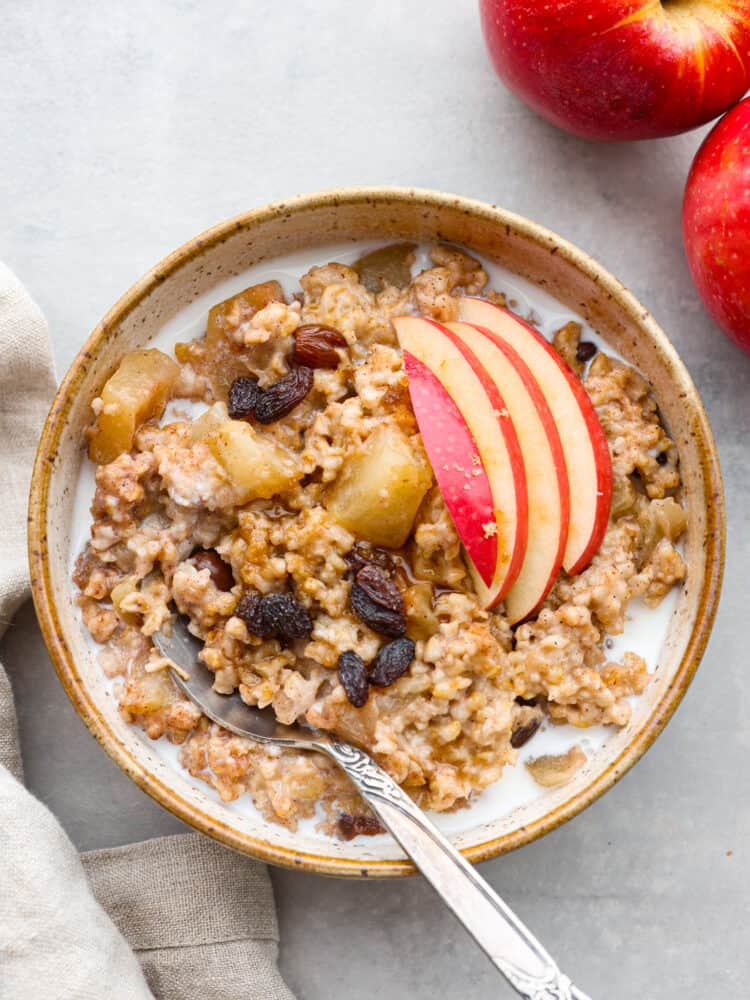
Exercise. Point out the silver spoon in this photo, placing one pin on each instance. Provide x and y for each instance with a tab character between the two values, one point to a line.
508	943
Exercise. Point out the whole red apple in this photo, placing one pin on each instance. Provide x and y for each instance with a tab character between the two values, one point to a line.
716	222
622	69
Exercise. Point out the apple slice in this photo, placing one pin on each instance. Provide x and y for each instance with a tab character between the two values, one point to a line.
474	451
448	442
544	461
584	445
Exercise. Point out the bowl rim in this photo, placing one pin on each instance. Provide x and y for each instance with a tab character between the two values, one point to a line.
63	659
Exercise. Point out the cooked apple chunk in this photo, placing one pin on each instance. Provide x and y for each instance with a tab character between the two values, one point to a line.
377	495
138	391
552	770
119	596
208	422
256	465
146	693
226	317
421	620
222	356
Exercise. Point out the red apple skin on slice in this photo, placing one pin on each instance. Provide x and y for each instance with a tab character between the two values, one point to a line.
453	452
584	444
546	474
483	410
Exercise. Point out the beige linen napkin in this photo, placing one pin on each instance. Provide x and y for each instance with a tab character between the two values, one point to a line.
174	918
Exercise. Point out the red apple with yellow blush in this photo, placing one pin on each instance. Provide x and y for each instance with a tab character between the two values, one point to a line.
716	223
622	69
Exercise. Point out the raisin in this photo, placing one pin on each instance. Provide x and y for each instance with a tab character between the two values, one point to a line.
662	458
530	702
585	351
275	616
248	609
391	662
221	572
374	615
288	618
355	560
349	826
244	393
380	588
522	734
315	346
281	398
353	677
363	553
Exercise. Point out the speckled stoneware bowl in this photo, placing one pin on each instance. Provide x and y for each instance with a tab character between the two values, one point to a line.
522	247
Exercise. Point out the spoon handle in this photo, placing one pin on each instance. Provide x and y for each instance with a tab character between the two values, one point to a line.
509	945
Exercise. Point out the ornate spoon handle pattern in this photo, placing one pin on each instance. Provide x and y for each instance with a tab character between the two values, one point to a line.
508	943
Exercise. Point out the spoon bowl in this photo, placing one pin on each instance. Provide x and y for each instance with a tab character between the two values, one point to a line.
181	647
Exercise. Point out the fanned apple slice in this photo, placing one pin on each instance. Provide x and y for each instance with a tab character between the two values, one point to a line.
584	445
546	476
462	461
453	451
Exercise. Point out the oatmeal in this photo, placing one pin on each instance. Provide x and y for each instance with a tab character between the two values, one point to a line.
299	524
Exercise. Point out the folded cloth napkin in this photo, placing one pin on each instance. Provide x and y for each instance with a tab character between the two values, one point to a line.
173	918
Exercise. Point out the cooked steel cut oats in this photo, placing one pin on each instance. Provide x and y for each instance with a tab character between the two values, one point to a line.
332	490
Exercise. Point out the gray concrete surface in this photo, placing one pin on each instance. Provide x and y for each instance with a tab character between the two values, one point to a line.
125	129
